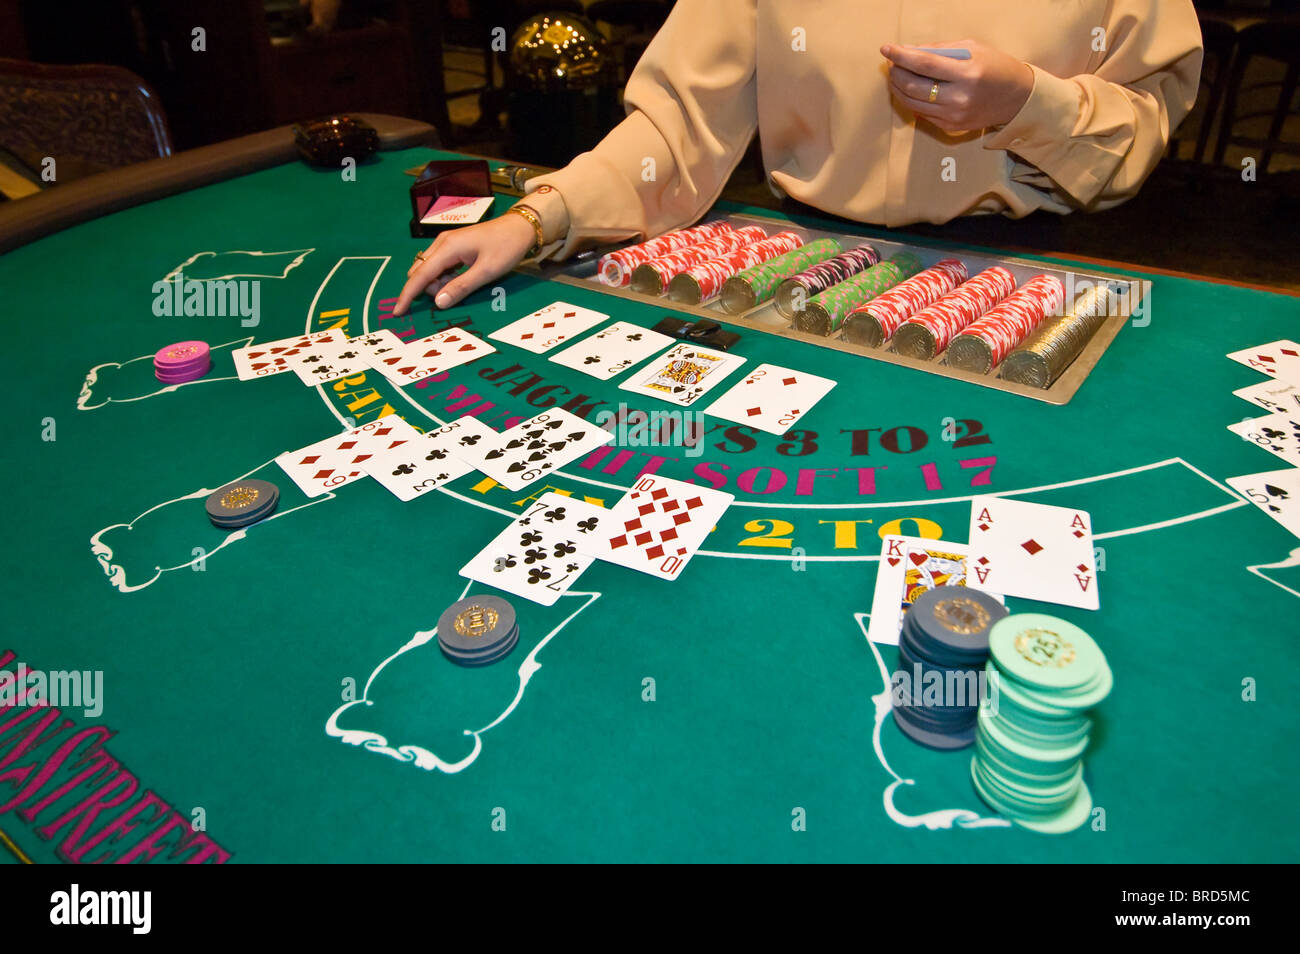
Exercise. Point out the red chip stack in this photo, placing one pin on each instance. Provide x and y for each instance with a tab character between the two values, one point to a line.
615	268
875	322
983	345
928	332
652	277
705	280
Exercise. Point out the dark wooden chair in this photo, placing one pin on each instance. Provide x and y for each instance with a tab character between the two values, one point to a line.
1273	39
88	118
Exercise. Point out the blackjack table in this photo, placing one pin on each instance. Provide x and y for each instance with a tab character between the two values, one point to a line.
275	693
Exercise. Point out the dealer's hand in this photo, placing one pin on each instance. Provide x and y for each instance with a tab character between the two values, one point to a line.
490	249
986	90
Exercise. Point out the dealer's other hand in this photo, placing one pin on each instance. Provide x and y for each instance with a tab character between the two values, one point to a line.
986	90
490	249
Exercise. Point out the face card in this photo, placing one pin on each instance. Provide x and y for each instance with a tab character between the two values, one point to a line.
613	350
683	374
1277	359
1272	395
1277	433
1276	492
908	567
659	524
547	327
416	467
533	449
540	555
273	357
1032	550
771	398
432	355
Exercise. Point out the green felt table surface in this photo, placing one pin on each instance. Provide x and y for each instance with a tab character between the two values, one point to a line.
280	686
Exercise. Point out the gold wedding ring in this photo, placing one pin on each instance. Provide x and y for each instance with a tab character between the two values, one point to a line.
419	256
934	93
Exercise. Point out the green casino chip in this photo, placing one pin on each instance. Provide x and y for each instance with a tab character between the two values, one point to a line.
1044	652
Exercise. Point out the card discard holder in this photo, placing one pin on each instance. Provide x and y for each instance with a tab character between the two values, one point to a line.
450	193
704	332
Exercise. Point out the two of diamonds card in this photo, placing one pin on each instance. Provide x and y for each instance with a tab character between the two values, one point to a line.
533	449
659	524
543	551
683	375
548	327
909	566
771	398
1032	550
613	350
329	464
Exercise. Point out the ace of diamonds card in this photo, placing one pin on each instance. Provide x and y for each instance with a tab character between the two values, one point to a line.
1033	551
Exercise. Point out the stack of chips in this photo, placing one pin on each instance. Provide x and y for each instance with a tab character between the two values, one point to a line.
828	310
1048	351
704	281
616	267
652	277
928	332
758	283
795	292
942	650
983	345
181	362
242	503
477	631
1043	675
875	322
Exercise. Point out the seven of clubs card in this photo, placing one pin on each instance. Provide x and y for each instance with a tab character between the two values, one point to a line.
657	526
547	327
684	374
908	567
1276	492
531	450
1032	550
540	555
613	350
771	398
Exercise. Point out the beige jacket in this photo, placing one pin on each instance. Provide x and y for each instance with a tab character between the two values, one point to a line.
1112	79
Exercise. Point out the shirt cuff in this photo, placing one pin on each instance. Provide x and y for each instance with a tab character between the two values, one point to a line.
1047	119
549	205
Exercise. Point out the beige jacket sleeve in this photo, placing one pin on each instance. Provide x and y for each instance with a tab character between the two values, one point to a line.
692	110
1090	141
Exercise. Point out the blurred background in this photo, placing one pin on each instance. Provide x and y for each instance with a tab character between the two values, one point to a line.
474	70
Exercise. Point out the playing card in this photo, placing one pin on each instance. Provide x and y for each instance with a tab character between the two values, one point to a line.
657	526
415	467
683	374
547	327
324	363
540	555
426	357
908	567
771	398
1032	550
533	449
1277	359
1272	395
376	345
613	350
338	460
273	357
1275	492
1277	433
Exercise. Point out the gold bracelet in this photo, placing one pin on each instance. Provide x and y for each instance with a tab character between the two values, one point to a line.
533	219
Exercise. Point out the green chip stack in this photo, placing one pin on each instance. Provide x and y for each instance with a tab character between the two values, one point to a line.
1043	675
826	311
757	284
